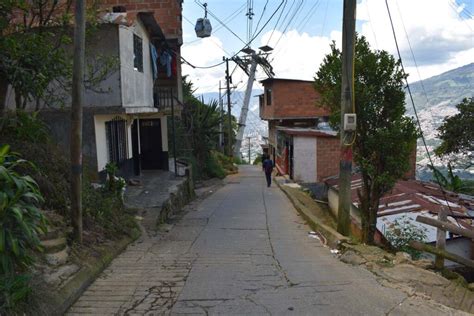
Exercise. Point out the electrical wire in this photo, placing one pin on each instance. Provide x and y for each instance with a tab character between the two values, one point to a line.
228	19
279	17
416	113
297	9
246	44
261	15
218	20
371	26
308	16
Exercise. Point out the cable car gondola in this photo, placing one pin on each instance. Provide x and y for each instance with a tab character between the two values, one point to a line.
203	26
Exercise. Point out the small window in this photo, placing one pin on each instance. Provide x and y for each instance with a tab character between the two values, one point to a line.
269	96
137	53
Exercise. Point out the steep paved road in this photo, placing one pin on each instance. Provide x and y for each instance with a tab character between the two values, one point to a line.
242	250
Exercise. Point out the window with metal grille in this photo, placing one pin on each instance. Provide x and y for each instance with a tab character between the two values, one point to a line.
116	133
137	53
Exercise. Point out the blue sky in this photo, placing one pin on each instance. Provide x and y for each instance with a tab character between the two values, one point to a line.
440	33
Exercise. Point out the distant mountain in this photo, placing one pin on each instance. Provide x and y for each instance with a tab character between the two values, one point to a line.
436	98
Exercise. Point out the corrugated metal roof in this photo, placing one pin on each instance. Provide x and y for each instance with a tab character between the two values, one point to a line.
306	131
411	198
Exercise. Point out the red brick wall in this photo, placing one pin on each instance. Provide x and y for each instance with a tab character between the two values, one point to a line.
327	154
167	13
292	98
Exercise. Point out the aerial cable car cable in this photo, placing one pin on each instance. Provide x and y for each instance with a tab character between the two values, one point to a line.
203	26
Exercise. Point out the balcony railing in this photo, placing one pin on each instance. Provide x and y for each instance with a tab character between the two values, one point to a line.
164	97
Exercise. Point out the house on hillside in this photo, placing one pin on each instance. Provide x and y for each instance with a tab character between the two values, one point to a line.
299	138
407	200
125	117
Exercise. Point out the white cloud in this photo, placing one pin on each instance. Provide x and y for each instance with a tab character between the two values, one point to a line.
441	40
439	37
298	55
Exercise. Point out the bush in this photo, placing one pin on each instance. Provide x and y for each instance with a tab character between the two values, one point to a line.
401	232
104	210
24	127
20	223
226	162
14	290
213	167
258	160
28	135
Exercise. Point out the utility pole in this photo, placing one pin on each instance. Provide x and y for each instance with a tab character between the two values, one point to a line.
76	119
229	115
347	101
221	109
245	106
250	161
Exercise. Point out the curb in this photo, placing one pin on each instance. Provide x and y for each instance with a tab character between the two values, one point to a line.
58	302
333	237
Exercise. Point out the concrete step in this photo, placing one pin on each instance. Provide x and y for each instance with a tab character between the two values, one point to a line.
54	245
52	233
57	258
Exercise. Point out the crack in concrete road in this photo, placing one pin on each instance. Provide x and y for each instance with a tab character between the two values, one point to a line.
277	262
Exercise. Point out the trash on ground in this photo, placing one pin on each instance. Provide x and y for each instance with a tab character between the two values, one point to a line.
139	218
335	251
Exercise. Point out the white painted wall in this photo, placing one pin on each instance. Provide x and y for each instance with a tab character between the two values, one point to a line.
304	158
101	138
137	87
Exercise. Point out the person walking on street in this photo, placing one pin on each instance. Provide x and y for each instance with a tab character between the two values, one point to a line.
268	168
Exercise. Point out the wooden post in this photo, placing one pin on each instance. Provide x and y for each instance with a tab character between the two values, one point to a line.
76	119
440	239
347	98
447	255
229	115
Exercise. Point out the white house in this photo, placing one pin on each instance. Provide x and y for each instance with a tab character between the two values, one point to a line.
125	116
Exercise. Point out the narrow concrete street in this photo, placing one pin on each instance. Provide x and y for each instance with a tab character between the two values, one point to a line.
242	250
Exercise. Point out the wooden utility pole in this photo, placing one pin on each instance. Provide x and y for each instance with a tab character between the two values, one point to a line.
250	161
221	110
229	115
347	102
76	119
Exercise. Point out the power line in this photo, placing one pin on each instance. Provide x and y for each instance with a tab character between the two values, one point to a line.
371	26
308	16
279	17
261	15
218	20
414	109
297	9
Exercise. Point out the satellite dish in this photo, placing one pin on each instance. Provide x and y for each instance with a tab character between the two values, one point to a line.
203	26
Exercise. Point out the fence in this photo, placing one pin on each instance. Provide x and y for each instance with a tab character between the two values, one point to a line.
443	226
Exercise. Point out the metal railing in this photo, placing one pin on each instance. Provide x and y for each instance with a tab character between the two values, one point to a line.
164	97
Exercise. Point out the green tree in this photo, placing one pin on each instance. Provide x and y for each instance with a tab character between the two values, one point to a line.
457	131
385	138
34	56
198	132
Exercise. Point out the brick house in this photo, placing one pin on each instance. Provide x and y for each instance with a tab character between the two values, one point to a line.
299	140
125	116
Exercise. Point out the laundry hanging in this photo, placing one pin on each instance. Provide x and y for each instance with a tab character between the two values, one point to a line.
154	61
165	61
